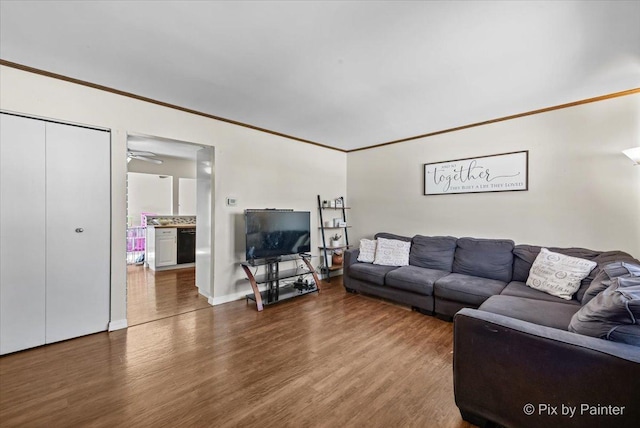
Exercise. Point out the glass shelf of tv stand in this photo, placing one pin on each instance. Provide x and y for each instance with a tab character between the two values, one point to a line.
272	296
287	258
283	274
276	292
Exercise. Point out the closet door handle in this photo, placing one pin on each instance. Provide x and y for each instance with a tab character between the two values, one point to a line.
79	230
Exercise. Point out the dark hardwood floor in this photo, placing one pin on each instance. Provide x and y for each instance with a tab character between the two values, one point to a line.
331	359
155	295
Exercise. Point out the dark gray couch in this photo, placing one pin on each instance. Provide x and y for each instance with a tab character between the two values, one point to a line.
512	346
502	364
446	274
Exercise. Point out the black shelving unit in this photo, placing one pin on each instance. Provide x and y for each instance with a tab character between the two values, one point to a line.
327	250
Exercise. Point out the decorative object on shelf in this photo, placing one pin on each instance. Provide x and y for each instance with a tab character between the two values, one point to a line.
336	258
342	223
503	172
328	262
339	203
332	203
325	204
335	240
336	222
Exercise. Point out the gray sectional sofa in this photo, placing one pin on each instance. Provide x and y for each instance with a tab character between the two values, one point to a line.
446	274
512	344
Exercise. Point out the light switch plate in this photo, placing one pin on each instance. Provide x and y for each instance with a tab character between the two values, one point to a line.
232	202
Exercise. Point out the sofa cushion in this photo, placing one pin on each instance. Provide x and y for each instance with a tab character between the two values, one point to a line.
387	235
520	289
603	259
415	279
433	252
549	314
617	306
626	334
525	255
602	281
617	269
485	258
558	274
367	250
392	252
371	273
467	289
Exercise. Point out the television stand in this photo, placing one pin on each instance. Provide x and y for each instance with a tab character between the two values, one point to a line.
275	292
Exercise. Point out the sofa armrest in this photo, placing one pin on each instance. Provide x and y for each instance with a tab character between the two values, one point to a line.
350	257
505	368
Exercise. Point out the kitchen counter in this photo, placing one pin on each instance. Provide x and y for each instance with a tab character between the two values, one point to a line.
177	226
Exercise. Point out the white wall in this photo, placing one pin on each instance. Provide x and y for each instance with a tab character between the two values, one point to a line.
582	190
260	169
148	193
186	196
174	167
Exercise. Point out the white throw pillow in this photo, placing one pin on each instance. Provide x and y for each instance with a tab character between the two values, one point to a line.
557	274
367	250
392	252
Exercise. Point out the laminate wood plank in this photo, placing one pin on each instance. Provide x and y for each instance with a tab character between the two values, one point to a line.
155	295
324	360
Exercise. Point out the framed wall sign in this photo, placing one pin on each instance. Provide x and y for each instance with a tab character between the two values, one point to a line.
505	172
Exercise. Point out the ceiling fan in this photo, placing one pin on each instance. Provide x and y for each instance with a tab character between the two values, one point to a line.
143	156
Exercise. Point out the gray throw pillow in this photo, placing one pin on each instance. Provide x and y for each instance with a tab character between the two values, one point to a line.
614	314
609	272
617	269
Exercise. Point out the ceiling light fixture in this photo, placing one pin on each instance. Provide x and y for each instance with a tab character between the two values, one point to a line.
143	156
633	154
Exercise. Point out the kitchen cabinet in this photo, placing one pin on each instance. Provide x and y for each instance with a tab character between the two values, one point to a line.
166	250
166	247
55	184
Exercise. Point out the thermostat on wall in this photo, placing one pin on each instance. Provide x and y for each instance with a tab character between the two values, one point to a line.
232	202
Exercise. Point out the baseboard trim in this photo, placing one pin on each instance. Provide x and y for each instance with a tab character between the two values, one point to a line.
213	301
331	274
203	293
118	325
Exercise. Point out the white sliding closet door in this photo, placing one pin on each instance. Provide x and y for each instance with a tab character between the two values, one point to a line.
22	230
78	231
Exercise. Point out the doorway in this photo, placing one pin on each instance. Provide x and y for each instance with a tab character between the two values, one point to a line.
163	186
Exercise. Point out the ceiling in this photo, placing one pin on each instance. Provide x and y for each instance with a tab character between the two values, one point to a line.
346	74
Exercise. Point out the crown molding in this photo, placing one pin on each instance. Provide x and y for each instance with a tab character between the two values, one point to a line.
156	102
279	134
502	119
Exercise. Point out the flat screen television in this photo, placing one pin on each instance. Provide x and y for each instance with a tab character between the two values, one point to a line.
274	233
